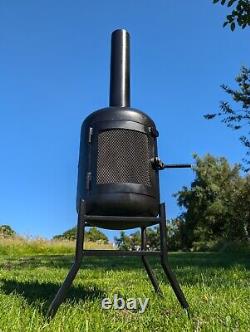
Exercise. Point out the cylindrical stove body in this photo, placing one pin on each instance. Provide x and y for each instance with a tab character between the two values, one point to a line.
115	174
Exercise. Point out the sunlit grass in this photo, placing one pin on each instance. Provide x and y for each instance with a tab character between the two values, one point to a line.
217	287
18	246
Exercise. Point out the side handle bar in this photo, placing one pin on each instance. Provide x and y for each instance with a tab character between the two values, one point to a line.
157	164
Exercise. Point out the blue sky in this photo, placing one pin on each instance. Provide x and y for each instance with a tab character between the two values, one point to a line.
54	58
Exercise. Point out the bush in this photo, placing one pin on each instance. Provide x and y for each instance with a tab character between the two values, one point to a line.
222	245
205	245
6	231
235	246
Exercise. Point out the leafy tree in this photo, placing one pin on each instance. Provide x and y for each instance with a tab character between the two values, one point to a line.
176	234
6	231
67	235
241	207
213	201
93	235
129	242
123	242
238	119
239	15
153	238
133	241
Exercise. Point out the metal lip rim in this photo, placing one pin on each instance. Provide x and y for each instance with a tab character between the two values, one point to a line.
117	109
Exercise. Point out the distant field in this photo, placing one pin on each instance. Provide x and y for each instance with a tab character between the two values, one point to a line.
217	286
21	246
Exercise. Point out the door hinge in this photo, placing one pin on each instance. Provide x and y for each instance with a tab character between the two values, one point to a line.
154	132
88	181
90	134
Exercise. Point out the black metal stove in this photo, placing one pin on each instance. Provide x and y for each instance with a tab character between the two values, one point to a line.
118	174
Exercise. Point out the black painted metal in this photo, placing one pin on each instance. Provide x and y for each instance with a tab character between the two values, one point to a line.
118	175
177	166
122	253
62	292
120	69
116	222
115	173
146	264
80	253
164	260
121	199
157	164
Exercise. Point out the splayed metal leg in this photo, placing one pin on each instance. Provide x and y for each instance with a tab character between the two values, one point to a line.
146	264
62	292
83	221
164	260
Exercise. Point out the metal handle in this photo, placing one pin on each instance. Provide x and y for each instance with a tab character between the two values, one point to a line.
177	166
159	165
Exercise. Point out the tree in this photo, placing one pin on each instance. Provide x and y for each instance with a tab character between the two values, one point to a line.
6	231
129	242
93	235
176	234
213	201
239	15
67	235
238	119
123	242
153	238
241	207
133	241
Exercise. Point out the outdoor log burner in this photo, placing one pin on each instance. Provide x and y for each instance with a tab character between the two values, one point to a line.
118	175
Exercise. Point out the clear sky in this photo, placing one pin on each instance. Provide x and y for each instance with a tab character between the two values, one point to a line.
54	60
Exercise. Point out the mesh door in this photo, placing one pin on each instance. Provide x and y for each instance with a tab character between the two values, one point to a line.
123	157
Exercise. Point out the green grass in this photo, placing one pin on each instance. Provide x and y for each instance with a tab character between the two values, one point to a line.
19	246
216	286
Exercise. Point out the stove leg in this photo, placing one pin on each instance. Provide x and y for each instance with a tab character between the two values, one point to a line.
164	260
146	264
62	292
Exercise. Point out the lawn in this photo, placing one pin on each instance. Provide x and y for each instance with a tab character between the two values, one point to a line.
216	286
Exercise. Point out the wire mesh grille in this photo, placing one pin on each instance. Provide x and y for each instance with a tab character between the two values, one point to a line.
123	157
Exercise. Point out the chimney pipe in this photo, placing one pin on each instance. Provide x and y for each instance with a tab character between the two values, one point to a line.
120	69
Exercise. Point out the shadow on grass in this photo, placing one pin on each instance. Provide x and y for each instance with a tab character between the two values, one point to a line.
203	269
37	293
65	261
180	260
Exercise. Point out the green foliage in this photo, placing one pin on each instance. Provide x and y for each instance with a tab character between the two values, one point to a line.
240	13
216	204
133	241
238	118
6	231
206	245
242	247
128	242
221	245
93	235
153	238
176	234
67	235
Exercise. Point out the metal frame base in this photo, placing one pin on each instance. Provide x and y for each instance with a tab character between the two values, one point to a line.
163	253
